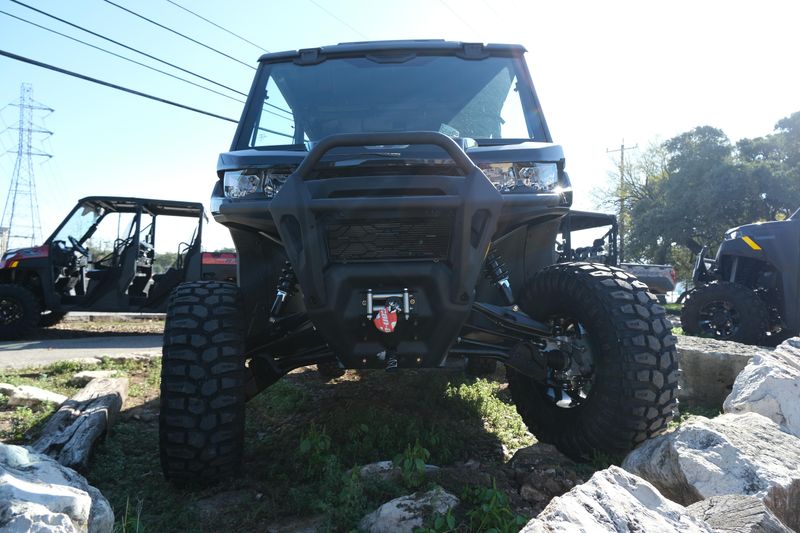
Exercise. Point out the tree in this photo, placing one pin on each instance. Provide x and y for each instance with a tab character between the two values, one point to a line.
697	185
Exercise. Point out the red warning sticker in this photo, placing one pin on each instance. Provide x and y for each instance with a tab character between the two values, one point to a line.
386	320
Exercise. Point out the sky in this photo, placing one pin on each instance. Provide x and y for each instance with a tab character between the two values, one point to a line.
605	72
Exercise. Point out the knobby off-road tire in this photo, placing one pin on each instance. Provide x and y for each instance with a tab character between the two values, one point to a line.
201	426
19	311
51	318
634	387
749	314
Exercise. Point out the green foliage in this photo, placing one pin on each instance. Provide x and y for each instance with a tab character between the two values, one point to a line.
131	520
315	451
440	523
24	421
491	512
412	464
688	412
697	185
498	413
488	512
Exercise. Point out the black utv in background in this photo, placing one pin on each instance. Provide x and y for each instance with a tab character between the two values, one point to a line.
76	270
393	204
750	292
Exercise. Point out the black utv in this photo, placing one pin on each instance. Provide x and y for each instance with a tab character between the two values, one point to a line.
750	292
102	258
393	204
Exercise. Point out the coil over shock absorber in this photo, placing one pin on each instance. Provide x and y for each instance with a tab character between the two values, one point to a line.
285	289
496	271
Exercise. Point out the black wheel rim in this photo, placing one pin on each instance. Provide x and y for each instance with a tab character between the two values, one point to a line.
570	385
10	310
719	319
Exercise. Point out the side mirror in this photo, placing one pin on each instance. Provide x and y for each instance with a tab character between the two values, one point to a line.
694	246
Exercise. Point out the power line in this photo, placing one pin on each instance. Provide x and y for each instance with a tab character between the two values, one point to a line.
217	25
129	47
123	57
151	21
459	17
337	18
112	85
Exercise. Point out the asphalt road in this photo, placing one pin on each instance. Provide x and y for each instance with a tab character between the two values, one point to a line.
20	354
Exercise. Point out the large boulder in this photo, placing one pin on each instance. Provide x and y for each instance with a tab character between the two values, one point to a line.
406	513
38	494
708	368
615	501
770	386
734	513
730	454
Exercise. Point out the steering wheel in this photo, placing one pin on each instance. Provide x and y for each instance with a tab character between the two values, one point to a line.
77	246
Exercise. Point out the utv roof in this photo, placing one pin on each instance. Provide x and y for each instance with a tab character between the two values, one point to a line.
579	220
119	204
466	50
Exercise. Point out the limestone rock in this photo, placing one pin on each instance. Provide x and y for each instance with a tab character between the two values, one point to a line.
82	378
734	513
408	512
88	361
708	368
38	494
387	471
730	454
770	386
28	396
614	500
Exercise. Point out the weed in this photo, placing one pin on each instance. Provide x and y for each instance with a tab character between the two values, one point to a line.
315	451
687	412
500	416
412	464
130	522
24	421
490	511
440	523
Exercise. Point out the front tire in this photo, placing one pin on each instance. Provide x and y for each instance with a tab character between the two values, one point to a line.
631	387
19	311
725	311
201	425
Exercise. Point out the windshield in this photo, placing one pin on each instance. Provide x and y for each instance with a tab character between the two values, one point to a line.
81	221
478	99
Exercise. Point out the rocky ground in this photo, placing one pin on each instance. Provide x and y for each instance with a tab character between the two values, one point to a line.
308	440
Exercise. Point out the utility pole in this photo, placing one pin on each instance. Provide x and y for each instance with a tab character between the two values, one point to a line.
19	224
621	215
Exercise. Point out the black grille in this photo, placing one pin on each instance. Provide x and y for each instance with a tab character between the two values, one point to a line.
380	240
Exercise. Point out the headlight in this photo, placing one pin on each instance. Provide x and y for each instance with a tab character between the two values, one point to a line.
522	177
240	183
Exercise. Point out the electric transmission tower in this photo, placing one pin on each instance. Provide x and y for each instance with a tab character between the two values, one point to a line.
19	224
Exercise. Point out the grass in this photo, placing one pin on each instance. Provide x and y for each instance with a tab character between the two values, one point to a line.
303	437
19	425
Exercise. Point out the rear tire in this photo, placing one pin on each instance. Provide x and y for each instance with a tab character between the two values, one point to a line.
725	311
19	311
201	425
634	367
